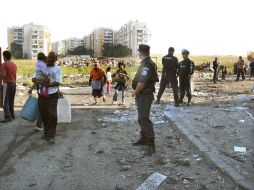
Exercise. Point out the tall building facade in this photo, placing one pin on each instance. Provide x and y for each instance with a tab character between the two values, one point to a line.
132	35
15	34
97	39
33	38
59	47
63	46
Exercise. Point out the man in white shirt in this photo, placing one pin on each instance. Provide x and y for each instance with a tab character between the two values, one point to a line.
48	103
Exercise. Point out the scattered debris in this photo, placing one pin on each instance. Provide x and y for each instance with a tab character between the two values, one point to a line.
159	122
182	162
125	168
185	181
234	156
241	121
240	149
100	152
152	182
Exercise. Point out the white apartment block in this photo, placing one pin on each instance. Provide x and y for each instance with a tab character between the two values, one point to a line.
72	43
15	34
132	35
63	46
59	47
36	39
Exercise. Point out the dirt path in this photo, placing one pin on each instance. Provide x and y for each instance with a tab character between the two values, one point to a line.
95	151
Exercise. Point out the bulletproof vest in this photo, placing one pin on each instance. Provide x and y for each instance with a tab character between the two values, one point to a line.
186	67
170	64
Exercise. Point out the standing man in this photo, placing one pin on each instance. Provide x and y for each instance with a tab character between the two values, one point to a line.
8	75
252	68
144	87
240	68
216	65
169	74
185	72
48	101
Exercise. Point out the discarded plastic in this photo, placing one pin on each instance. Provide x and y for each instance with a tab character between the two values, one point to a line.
241	121
152	182
63	111
159	122
240	149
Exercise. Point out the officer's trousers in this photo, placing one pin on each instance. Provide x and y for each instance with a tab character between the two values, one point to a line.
144	103
240	72
185	86
163	84
215	75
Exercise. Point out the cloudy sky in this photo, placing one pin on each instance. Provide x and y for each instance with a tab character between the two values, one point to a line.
205	27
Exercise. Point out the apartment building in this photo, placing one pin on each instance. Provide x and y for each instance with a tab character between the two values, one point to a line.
36	38
132	35
15	34
97	39
59	47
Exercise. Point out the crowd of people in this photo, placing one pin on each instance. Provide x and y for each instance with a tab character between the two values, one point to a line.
48	77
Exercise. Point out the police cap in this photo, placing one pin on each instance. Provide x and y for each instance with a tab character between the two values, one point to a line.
185	52
144	48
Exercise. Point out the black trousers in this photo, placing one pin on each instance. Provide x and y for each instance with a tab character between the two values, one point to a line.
240	72
215	75
165	79
48	113
252	72
144	104
9	96
185	87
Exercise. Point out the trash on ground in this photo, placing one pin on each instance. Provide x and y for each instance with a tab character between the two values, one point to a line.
159	122
241	121
240	149
152	182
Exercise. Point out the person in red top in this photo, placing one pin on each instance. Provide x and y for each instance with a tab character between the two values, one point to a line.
8	75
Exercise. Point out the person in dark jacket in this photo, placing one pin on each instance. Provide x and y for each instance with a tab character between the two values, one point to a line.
186	69
252	69
169	75
144	86
216	65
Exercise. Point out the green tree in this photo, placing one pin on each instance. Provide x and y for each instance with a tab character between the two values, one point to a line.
80	50
117	50
16	50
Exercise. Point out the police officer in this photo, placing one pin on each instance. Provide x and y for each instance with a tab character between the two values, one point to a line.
216	64
186	69
240	68
169	74
144	86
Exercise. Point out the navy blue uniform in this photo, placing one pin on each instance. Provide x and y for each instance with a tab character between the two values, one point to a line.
147	74
186	69
169	74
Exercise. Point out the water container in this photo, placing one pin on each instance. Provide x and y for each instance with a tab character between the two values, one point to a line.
63	111
30	110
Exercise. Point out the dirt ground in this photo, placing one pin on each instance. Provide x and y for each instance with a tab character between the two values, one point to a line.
95	151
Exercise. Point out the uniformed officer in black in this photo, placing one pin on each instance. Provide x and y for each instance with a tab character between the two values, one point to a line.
216	64
144	86
186	69
169	74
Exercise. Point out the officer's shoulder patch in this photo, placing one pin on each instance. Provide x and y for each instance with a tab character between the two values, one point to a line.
145	71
